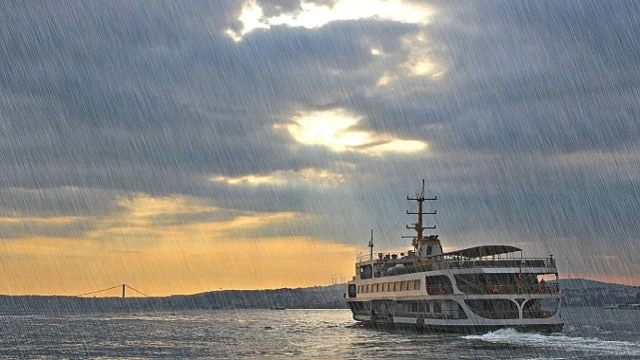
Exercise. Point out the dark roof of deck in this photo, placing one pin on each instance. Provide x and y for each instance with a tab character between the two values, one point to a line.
485	250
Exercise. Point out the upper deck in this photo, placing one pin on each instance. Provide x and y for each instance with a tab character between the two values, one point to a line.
485	257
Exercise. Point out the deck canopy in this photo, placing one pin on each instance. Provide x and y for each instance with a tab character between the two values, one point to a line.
481	251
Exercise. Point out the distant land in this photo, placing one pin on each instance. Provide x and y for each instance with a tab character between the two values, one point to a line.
576	293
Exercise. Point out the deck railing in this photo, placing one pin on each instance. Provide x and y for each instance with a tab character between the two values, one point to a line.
476	263
514	263
543	263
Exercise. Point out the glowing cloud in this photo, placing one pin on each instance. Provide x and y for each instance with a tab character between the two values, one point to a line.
420	61
142	205
309	176
146	218
313	15
335	129
417	58
40	220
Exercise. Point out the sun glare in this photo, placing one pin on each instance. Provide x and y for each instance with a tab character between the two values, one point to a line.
336	129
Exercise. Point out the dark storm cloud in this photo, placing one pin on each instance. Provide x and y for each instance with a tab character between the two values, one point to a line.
558	76
55	201
116	101
27	228
100	67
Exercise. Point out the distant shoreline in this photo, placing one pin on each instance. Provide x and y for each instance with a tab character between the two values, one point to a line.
576	293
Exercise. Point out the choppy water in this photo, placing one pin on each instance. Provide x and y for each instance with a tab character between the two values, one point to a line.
326	334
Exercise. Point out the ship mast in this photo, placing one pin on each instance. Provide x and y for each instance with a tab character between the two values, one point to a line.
371	247
419	227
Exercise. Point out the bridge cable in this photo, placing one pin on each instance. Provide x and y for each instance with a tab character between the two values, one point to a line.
99	291
139	292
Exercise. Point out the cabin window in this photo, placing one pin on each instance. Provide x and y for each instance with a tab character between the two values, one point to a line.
384	287
439	285
377	288
368	288
511	283
413	307
423	307
351	290
409	285
403	286
494	308
446	309
396	286
437	308
540	308
365	272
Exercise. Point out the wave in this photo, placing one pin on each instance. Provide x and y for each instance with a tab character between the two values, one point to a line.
560	341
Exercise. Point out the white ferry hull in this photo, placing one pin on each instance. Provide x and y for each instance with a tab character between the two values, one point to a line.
548	325
448	327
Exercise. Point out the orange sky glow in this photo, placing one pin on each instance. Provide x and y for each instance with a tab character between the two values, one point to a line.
135	248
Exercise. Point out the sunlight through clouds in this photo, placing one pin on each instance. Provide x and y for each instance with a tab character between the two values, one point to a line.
416	58
143	205
420	61
314	15
308	176
336	130
150	216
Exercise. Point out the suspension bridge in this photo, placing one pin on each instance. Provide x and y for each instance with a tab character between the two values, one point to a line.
124	288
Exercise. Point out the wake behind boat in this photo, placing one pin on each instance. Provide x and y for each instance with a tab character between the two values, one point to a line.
476	289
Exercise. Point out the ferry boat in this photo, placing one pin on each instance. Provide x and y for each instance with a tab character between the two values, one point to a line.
477	289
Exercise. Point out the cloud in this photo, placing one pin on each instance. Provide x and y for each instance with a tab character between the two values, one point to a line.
312	15
146	220
308	176
21	227
335	129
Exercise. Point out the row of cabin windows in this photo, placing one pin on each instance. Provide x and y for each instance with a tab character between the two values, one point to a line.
407	285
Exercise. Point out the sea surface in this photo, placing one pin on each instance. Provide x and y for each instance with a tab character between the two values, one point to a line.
589	333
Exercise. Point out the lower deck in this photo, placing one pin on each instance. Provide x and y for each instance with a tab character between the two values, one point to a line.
455	313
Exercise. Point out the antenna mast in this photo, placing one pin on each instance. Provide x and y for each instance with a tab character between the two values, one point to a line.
419	227
371	247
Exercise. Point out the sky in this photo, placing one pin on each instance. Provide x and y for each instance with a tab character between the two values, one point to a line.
189	146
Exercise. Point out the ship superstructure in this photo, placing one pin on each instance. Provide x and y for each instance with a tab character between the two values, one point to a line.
470	290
